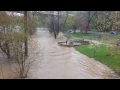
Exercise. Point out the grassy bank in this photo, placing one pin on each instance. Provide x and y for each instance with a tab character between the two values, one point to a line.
101	55
96	36
112	61
83	36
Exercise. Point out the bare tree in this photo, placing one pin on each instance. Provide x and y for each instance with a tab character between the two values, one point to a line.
63	25
4	25
14	37
89	15
42	18
32	22
57	22
19	64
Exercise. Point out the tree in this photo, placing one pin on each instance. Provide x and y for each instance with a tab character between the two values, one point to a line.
19	64
77	21
73	22
107	21
89	15
26	31
32	22
42	18
14	41
94	46
57	22
5	24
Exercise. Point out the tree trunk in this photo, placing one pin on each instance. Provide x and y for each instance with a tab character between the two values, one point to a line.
88	25
58	22
26	41
55	35
8	51
74	29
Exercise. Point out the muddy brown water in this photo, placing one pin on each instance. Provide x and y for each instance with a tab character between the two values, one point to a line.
56	62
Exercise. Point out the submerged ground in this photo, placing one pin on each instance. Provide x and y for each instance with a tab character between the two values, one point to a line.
55	62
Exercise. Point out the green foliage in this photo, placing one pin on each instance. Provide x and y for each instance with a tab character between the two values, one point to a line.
107	21
69	22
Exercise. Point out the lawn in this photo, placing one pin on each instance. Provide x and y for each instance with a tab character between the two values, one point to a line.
112	61
96	36
84	36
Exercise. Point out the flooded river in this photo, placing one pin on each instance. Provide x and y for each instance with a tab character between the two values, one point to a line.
57	62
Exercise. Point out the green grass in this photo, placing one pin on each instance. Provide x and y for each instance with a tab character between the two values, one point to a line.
112	61
90	35
111	39
83	36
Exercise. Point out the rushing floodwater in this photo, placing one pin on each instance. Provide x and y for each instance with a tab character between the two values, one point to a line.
56	62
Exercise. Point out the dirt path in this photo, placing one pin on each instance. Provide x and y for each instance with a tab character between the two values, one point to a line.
64	63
